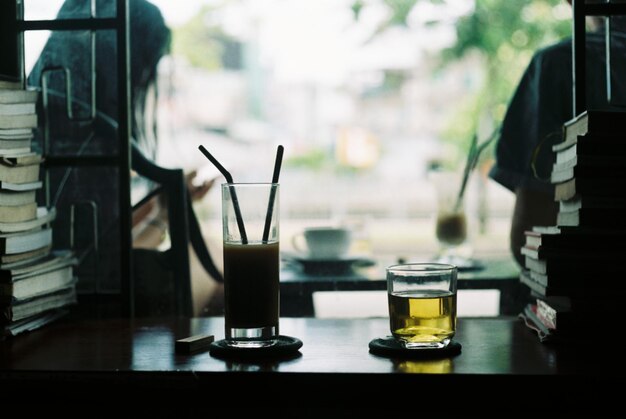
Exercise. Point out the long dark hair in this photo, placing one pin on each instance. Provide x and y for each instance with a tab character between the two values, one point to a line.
92	129
150	40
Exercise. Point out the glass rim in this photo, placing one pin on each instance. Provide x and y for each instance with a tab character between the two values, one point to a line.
422	267
226	184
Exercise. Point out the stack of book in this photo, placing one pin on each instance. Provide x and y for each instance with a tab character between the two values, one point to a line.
574	269
35	283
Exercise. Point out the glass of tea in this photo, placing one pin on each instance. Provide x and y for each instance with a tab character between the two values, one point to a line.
451	227
250	220
422	304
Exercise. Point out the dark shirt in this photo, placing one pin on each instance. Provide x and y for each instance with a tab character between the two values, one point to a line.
542	103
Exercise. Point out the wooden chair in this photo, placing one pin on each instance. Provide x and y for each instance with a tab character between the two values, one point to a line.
184	229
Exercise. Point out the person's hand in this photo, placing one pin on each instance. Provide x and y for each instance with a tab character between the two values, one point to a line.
197	191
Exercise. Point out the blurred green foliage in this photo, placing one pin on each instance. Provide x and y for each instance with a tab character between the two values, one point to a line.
502	35
313	159
199	42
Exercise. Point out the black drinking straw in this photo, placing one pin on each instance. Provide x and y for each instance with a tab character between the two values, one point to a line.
270	204
233	194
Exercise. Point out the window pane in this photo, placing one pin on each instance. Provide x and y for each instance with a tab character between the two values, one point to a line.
362	113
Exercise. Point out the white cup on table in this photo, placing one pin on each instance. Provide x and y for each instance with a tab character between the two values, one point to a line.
323	242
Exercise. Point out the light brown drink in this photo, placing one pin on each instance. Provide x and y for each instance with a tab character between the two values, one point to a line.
251	285
423	317
451	228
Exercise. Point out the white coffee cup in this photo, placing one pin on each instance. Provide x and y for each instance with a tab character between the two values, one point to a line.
323	242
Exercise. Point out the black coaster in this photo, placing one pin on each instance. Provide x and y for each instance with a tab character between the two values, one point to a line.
285	347
391	348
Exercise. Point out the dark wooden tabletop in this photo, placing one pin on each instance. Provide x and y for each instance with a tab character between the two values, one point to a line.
490	346
120	354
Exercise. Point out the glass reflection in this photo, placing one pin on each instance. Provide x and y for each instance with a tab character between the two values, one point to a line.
430	366
251	366
152	347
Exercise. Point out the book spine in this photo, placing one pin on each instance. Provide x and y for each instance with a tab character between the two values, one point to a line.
571	131
574	265
596	187
530	283
39	285
610	218
19	174
603	168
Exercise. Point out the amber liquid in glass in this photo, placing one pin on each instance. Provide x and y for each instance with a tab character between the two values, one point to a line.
423	318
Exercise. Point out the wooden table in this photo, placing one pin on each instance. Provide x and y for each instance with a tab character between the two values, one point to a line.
109	361
297	287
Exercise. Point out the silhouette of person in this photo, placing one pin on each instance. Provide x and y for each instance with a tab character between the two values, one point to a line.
89	128
540	106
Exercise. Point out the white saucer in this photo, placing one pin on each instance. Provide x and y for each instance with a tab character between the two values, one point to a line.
462	264
314	258
317	265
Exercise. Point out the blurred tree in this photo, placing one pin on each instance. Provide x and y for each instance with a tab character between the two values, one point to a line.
502	35
204	44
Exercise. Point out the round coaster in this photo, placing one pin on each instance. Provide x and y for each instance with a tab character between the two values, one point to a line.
391	348
284	347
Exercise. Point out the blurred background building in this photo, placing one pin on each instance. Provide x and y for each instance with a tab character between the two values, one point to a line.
367	96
